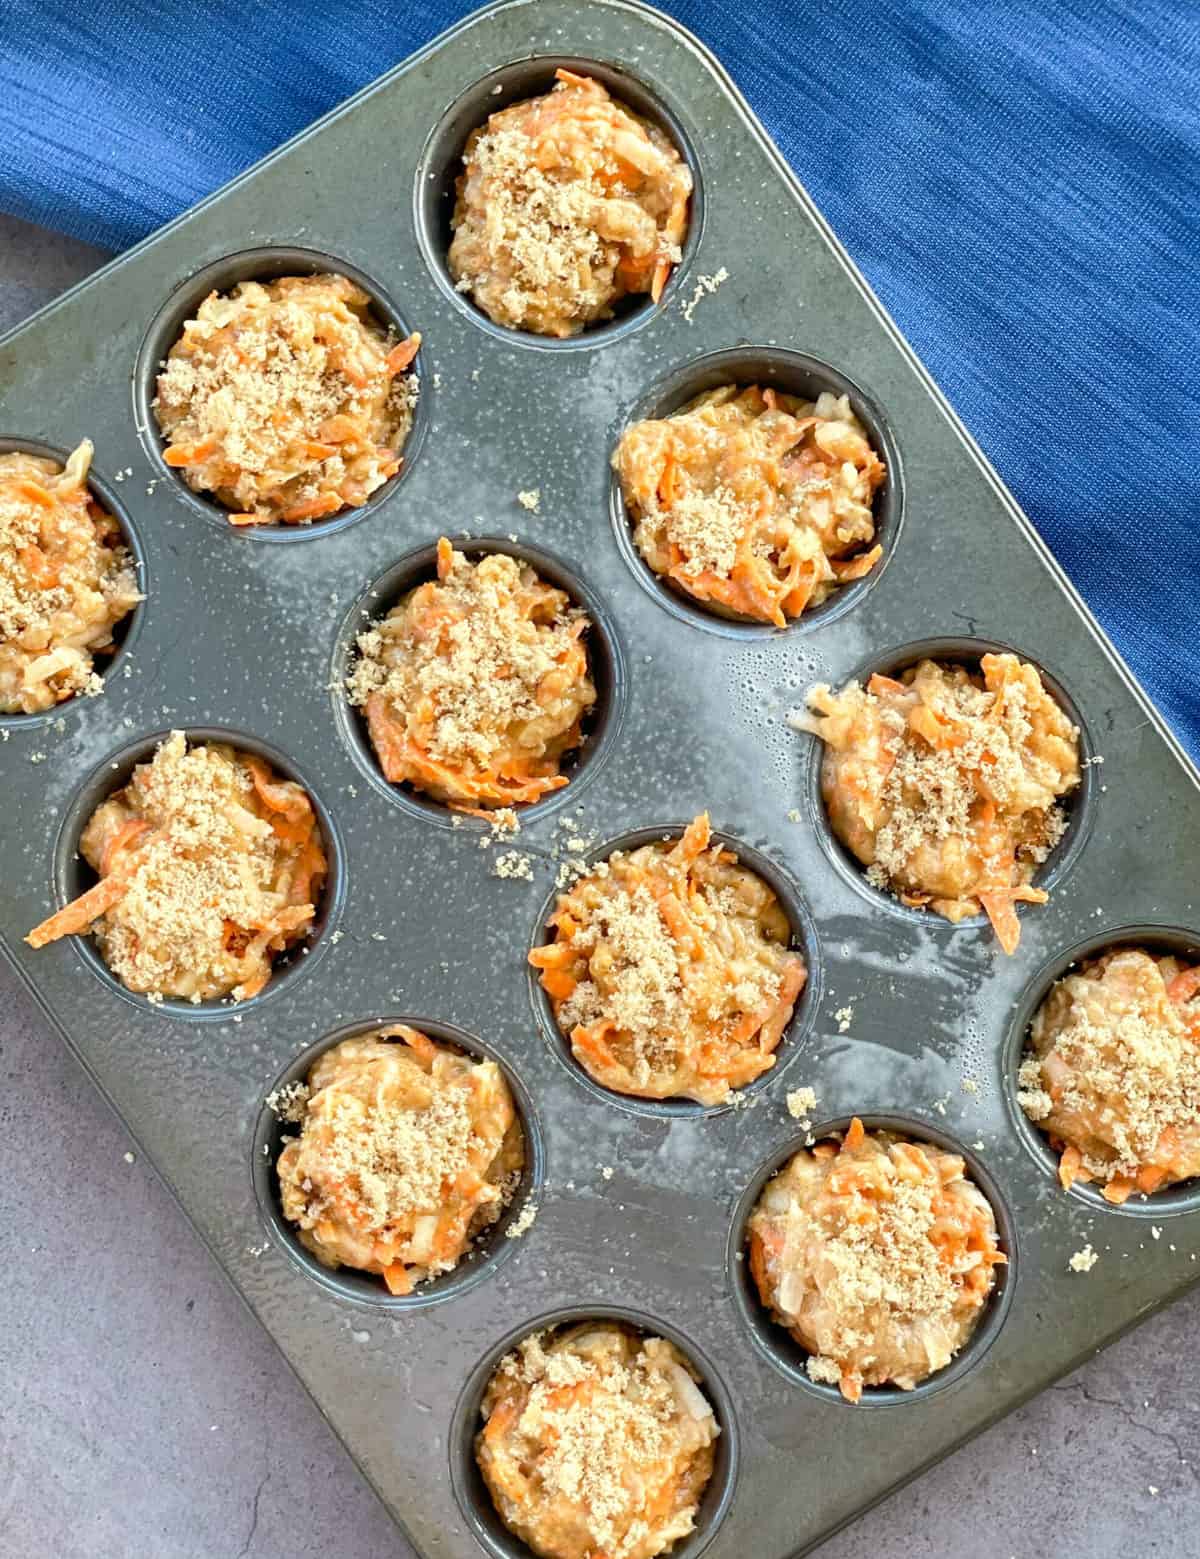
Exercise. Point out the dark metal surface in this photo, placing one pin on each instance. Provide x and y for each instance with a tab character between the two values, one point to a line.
246	636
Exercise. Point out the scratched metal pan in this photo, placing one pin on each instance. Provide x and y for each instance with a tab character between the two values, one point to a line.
246	633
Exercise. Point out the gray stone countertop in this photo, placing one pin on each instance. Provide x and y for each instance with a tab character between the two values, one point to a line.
147	1416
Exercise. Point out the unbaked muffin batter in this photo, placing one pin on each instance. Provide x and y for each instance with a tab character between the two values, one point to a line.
670	970
753	502
945	783
476	684
877	1254
286	400
597	1443
566	204
66	580
407	1150
1113	1072
210	866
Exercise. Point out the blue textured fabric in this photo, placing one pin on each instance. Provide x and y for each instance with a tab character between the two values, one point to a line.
1019	180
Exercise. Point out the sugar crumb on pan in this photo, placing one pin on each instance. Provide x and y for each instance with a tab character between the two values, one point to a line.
705	286
513	865
523	1222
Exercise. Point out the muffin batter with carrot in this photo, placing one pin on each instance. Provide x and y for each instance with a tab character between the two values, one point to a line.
753	502
286	401
877	1254
670	970
597	1443
946	783
1113	1072
210	866
476	684
566	204
407	1150
66	581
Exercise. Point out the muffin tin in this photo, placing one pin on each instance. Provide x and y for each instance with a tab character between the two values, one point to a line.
246	632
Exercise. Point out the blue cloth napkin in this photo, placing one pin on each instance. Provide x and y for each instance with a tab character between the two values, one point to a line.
1019	180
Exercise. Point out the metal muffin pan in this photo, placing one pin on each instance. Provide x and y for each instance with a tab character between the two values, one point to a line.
243	636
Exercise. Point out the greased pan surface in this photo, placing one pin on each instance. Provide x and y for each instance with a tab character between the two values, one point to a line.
246	633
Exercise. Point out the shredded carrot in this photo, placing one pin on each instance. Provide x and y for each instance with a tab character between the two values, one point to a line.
1184	986
420	1044
34	492
402	355
1070	1167
313	508
189	454
397	1279
124	839
847	569
81	913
